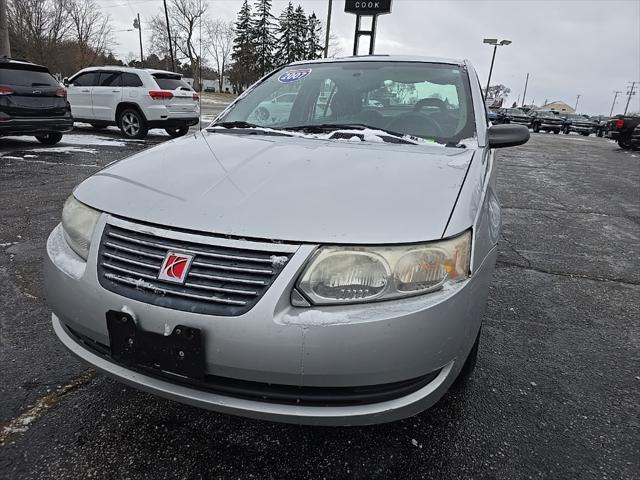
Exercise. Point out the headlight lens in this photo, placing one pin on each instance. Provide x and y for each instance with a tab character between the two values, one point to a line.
78	224
338	275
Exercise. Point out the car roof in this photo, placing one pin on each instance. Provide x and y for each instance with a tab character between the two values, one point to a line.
385	58
15	61
128	69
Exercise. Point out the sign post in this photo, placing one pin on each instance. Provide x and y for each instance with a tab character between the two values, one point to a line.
362	8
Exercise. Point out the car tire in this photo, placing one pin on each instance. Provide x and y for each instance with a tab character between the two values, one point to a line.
132	124
600	133
624	144
99	126
49	138
585	134
177	131
536	128
556	132
469	365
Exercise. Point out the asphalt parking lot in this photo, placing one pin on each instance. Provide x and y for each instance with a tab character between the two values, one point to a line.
555	394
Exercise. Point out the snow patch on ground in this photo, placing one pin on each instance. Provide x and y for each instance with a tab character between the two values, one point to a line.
65	150
71	139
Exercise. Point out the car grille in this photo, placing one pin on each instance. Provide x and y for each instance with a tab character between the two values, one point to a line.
221	280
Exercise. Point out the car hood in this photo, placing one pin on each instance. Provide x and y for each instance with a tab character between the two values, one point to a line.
286	188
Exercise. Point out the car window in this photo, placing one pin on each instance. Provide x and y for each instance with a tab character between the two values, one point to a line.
422	99
110	79
86	79
131	80
26	78
170	82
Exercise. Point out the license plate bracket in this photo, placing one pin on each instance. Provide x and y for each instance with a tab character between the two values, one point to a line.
180	353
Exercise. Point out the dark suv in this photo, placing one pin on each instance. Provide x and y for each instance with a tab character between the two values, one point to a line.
545	120
32	102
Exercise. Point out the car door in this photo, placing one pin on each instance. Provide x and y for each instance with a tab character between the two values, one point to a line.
106	95
79	95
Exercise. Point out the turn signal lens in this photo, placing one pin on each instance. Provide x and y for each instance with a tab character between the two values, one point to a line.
6	91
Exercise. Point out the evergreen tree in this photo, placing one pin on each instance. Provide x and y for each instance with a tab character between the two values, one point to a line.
243	72
264	38
300	34
285	50
314	45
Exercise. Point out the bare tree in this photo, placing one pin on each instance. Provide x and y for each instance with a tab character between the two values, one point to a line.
219	44
91	30
185	17
38	28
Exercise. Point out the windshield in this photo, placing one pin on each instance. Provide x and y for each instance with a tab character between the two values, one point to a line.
427	100
515	111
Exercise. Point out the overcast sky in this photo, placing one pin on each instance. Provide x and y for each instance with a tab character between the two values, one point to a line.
569	47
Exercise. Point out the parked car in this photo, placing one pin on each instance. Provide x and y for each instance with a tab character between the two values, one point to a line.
623	129
275	109
572	122
514	115
32	102
134	99
316	270
545	120
602	124
492	116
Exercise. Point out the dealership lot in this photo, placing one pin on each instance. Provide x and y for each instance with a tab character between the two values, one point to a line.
555	394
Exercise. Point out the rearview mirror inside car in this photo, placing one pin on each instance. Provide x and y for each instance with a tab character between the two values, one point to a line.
507	135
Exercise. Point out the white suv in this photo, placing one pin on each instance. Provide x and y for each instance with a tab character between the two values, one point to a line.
134	99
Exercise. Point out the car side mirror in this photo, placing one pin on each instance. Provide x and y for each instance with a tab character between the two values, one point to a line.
65	81
507	135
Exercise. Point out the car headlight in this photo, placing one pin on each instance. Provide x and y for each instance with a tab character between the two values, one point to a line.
338	275
78	224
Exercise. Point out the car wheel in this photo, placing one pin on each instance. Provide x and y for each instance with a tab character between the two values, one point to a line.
556	131
49	138
624	144
263	114
600	133
132	124
177	131
99	126
469	365
536	128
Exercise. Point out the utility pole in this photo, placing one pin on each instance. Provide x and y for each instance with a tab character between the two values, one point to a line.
630	92
577	100
326	38
526	82
5	47
138	25
166	16
616	92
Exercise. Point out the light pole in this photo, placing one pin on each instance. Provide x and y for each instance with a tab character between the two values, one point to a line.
138	25
496	44
577	100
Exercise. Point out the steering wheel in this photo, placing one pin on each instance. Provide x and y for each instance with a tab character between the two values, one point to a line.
430	102
417	124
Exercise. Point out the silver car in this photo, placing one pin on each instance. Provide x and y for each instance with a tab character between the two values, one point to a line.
326	267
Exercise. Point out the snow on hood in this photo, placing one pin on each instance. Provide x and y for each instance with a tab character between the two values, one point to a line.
286	188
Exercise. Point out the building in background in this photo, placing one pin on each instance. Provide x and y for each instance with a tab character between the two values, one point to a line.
558	106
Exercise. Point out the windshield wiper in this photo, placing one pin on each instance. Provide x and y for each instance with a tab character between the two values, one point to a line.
241	126
331	127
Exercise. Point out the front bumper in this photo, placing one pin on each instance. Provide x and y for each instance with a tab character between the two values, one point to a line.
36	126
275	343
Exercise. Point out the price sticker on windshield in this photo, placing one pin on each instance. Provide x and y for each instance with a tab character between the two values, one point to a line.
291	76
